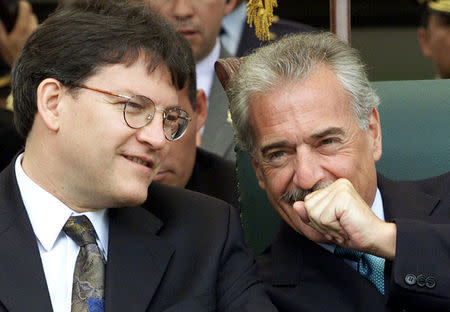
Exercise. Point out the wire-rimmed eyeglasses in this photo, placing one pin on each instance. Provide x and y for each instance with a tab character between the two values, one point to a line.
139	111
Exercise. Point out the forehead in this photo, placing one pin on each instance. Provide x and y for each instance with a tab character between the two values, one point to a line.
135	79
301	108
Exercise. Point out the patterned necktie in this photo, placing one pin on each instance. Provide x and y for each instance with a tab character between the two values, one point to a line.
89	276
369	266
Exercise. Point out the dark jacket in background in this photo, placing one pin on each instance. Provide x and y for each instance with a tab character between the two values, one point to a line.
282	27
10	140
215	176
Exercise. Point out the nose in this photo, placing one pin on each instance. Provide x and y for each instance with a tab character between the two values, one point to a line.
182	9
153	133
308	170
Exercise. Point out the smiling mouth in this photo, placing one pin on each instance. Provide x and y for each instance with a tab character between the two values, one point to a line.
138	160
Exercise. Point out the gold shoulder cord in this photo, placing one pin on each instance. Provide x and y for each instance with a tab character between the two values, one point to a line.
260	14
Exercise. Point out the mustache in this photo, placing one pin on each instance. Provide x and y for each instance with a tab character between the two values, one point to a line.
185	24
299	194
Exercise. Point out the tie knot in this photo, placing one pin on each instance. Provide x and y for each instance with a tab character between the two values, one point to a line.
348	253
80	229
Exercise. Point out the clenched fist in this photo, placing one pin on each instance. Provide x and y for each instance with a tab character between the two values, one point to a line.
338	215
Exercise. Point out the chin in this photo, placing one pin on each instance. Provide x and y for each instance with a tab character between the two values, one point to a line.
131	198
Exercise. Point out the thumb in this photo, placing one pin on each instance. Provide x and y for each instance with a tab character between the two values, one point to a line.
299	207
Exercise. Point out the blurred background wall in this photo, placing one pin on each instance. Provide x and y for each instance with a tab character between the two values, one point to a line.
384	31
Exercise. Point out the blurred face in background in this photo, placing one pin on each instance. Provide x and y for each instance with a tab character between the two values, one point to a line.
176	168
435	42
198	20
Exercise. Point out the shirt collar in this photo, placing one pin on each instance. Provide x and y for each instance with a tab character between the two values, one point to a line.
205	69
48	214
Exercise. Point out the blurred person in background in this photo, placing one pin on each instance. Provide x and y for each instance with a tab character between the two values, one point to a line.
11	43
191	167
200	24
434	34
240	39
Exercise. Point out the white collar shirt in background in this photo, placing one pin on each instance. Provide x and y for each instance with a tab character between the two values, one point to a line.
205	72
58	252
205	69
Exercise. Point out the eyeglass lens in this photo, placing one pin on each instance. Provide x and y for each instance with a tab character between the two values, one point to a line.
139	111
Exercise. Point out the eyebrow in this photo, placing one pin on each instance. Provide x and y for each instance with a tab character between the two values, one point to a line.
327	132
316	136
273	146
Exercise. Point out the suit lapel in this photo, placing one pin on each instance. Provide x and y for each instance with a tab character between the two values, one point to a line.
22	281
310	269
137	259
298	261
404	200
218	134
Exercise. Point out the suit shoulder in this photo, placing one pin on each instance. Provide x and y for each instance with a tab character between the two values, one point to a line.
169	202
434	186
438	185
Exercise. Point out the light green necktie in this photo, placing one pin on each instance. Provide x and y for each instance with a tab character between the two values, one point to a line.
369	266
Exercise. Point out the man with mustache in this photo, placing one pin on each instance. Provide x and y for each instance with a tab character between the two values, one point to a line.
350	240
200	22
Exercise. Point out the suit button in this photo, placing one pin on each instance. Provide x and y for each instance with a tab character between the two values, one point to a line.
420	280
430	282
410	279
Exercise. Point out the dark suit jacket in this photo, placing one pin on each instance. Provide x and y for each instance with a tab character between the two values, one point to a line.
215	176
282	27
184	252
10	140
302	276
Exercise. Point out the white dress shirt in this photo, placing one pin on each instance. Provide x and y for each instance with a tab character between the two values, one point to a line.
205	69
58	252
205	72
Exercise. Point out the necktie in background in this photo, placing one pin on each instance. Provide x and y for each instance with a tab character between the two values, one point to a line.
369	266
89	275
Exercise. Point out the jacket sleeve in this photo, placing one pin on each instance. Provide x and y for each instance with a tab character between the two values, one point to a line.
420	278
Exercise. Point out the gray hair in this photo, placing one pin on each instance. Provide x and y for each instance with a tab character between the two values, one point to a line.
294	58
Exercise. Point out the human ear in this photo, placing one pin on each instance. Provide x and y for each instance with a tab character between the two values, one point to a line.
374	131
229	6
201	109
48	98
422	36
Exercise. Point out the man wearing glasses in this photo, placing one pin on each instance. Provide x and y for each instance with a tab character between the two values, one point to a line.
95	93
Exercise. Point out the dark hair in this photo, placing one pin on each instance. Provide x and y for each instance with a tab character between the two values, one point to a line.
425	13
80	37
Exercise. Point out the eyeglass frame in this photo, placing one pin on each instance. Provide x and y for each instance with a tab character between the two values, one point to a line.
128	98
